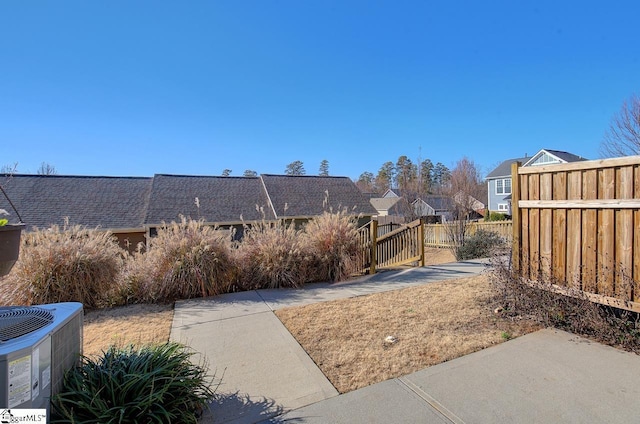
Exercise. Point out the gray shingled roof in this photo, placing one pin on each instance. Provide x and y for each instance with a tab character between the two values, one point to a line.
566	156
222	199
504	169
300	196
439	202
105	202
129	202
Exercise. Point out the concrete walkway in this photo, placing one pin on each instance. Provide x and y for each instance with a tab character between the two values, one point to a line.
266	376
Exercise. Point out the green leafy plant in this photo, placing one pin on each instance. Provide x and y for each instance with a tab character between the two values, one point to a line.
151	384
495	216
3	221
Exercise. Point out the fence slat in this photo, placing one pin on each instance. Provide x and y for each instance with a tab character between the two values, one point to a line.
574	227
546	227
606	242
589	232
559	260
624	234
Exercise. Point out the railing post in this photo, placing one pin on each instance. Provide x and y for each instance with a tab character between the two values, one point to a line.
374	246
515	218
421	241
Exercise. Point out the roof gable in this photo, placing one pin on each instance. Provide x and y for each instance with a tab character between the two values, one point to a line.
548	156
557	156
384	203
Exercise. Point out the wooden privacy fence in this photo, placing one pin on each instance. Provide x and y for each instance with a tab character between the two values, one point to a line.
438	235
577	226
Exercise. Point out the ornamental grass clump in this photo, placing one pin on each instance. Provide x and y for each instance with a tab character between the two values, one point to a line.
149	384
332	240
64	264
271	255
186	259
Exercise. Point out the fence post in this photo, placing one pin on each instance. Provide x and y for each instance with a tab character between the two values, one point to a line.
421	241
374	246
515	217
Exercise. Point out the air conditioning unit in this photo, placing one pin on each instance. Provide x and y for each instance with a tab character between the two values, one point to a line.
38	344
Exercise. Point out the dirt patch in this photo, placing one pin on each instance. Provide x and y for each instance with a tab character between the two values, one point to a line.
133	324
436	256
361	341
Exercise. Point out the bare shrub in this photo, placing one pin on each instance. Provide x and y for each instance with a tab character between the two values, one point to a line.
572	312
332	242
271	255
63	264
186	259
482	244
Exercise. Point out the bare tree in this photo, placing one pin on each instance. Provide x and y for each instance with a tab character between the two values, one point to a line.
226	172
46	169
623	136
464	188
9	169
250	173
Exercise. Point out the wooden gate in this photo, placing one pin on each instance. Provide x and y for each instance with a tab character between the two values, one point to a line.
402	246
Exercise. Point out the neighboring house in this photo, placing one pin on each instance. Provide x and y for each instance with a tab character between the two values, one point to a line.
386	206
434	205
133	208
431	205
499	180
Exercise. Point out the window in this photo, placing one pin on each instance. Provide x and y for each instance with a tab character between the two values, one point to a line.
503	207
503	186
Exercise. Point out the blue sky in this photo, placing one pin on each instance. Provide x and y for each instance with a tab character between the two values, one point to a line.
138	88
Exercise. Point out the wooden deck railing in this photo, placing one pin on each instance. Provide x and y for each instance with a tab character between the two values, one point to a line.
401	246
381	248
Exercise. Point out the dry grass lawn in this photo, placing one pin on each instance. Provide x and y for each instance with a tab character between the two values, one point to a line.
432	324
346	338
133	324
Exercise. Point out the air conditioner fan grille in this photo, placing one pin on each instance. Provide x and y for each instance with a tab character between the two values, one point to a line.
16	321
